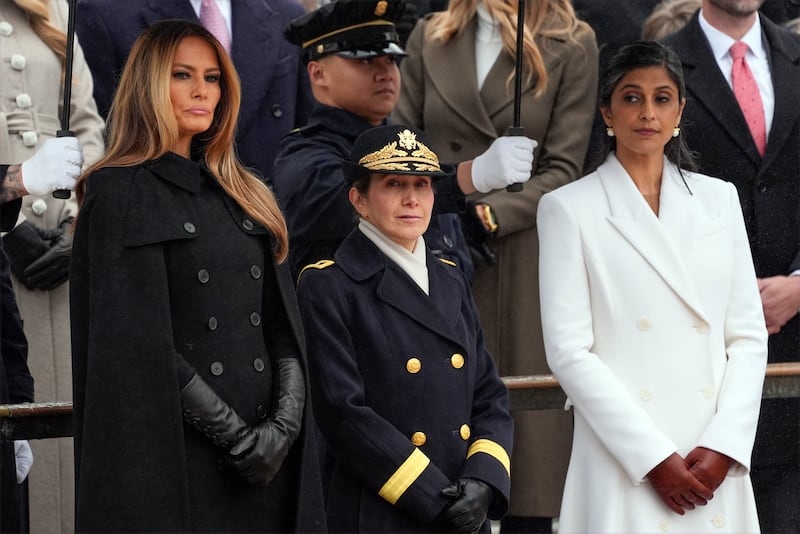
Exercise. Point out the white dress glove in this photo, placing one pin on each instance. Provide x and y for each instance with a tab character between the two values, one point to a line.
508	160
24	457
56	165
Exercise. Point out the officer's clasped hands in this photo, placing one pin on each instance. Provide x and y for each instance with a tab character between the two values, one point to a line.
55	165
509	160
470	506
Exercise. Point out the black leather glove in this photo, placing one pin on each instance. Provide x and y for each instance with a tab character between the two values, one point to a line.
25	244
480	226
204	410
468	511
259	454
52	268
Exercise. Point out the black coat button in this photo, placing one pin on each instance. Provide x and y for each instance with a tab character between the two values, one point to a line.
247	224
261	412
447	241
203	276
258	364
212	324
189	227
217	368
455	146
255	271
762	186
277	111
255	319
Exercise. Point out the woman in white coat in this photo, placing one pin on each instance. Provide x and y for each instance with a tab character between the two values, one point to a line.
652	321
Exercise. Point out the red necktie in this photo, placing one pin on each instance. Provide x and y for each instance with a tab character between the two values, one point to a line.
211	18
747	94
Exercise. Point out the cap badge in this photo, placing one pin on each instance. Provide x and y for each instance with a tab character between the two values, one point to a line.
411	155
380	8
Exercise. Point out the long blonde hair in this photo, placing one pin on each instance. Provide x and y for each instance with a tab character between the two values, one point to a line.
38	12
142	126
543	18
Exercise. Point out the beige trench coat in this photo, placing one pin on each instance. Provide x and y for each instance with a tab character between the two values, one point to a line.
29	67
439	94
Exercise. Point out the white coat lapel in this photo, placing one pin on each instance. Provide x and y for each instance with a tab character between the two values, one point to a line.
635	221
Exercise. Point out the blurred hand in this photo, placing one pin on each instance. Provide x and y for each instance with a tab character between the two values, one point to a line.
677	486
780	298
56	165
24	458
52	268
508	160
470	506
710	467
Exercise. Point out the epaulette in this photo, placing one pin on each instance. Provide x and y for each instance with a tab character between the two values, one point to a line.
305	130
447	262
321	264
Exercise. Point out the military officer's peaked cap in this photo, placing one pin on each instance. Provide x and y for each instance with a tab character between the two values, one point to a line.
392	149
355	29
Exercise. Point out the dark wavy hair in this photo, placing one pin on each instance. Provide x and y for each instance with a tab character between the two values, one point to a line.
637	55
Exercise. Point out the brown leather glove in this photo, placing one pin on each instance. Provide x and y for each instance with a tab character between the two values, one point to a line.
710	467
677	486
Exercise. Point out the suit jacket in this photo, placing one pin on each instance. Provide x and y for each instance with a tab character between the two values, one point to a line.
768	187
168	272
407	397
440	95
275	92
653	326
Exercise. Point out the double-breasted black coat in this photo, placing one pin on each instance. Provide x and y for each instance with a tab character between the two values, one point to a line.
407	398
167	271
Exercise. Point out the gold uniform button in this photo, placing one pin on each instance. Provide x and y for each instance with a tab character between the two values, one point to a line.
464	431
457	360
419	438
413	365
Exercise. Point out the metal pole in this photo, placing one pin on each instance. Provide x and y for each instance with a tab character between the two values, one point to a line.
516	128
67	103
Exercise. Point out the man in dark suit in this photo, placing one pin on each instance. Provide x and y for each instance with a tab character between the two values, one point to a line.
766	177
275	90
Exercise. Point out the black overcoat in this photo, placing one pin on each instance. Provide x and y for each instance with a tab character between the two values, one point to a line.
407	396
167	270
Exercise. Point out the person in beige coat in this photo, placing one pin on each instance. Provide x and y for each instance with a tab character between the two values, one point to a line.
463	104
32	49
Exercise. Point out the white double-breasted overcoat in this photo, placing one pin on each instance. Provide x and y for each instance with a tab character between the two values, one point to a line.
654	327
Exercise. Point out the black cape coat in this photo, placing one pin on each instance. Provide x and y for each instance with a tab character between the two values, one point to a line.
167	272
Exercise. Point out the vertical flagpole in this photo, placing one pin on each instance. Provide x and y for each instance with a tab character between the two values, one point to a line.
515	128
67	104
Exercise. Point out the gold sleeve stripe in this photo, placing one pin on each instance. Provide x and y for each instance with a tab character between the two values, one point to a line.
405	475
492	449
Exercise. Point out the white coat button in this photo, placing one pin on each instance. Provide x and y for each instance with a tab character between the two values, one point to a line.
6	28
646	394
38	207
29	138
18	62
709	391
643	324
701	328
718	521
663	525
23	101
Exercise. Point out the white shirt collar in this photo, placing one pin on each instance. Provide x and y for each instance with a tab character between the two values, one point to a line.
721	43
414	264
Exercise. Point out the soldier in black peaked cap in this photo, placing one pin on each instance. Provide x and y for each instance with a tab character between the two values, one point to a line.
351	48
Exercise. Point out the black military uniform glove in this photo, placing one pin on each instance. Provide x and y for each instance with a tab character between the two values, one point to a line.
480	226
52	268
204	410
470	506
25	244
259	454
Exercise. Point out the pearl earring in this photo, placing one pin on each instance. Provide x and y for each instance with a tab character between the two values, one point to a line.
676	132
610	131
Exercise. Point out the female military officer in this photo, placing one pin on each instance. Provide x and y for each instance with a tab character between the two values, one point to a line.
409	402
